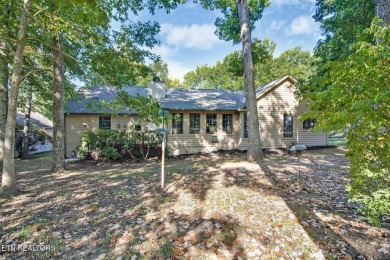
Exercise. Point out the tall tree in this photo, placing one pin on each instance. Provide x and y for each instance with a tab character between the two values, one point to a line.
296	62
58	161
351	95
8	185
236	25
218	76
228	73
341	23
5	32
382	10
4	78
26	124
86	32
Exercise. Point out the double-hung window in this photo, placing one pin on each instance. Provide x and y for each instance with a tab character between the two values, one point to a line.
194	123
227	123
177	123
211	123
287	125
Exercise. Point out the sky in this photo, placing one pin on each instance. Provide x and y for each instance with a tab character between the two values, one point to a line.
188	40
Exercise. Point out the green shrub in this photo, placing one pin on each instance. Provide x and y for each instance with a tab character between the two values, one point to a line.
111	144
109	153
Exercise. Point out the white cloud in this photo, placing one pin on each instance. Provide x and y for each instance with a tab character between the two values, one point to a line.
194	36
163	51
303	25
276	25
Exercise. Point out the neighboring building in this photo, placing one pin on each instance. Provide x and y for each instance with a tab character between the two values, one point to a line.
209	120
42	122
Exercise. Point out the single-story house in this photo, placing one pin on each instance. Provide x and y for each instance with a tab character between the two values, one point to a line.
209	120
42	122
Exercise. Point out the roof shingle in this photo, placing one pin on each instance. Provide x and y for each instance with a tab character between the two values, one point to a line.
175	99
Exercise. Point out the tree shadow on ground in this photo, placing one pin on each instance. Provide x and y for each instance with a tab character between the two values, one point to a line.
315	198
120	210
109	211
62	209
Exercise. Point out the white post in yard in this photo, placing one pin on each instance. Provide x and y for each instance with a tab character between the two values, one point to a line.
162	163
164	132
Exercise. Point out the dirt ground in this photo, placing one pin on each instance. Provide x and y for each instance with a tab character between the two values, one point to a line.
215	206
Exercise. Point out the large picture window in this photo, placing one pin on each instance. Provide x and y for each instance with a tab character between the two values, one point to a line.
194	123
245	125
211	123
288	125
177	123
309	123
227	123
105	122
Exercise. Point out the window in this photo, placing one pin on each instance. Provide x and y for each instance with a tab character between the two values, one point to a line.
138	124
194	123
309	123
245	125
227	123
211	123
105	122
288	125
177	123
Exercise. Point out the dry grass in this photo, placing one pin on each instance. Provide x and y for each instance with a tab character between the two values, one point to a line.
215	206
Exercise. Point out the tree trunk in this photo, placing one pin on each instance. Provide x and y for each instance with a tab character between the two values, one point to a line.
26	125
8	187
3	93
58	164
254	147
382	10
4	77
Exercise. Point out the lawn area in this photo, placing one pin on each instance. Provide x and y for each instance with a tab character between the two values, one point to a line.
337	141
216	206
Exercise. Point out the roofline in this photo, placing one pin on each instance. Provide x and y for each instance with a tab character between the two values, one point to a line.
170	109
277	83
97	113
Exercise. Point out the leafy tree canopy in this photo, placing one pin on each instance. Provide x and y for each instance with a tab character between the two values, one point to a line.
228	26
341	23
352	95
228	73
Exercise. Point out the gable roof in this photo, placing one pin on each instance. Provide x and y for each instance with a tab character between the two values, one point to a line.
260	91
175	99
35	119
266	87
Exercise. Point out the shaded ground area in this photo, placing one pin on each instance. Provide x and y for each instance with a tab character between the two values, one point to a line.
216	206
